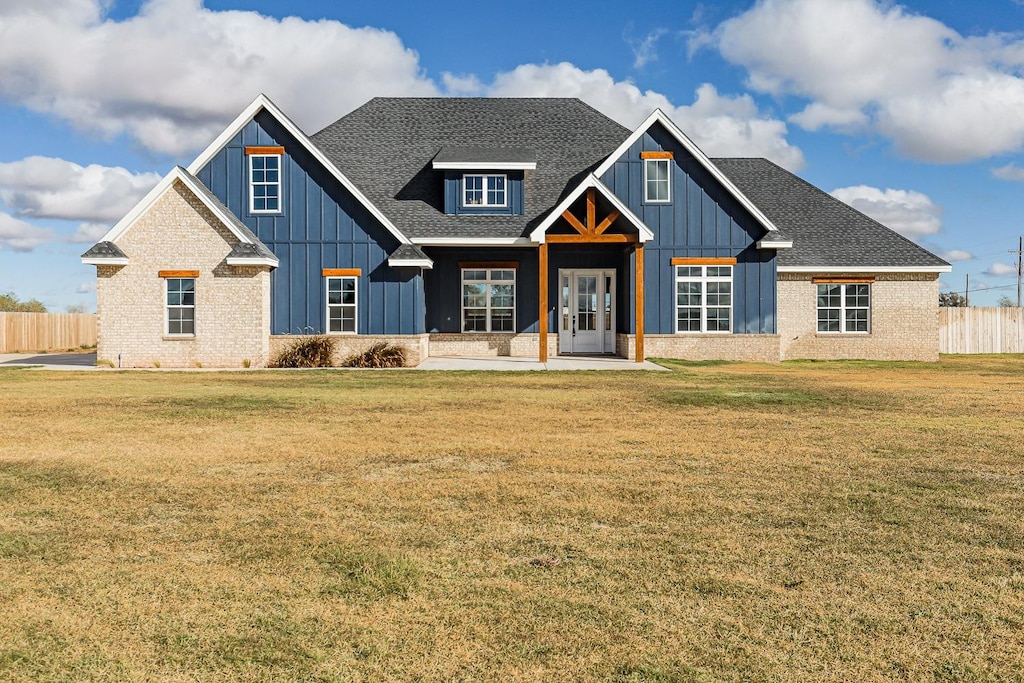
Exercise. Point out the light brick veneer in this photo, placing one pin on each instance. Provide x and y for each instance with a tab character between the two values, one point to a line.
490	344
347	345
762	348
904	320
232	303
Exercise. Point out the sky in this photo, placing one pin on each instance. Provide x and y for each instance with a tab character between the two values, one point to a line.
910	112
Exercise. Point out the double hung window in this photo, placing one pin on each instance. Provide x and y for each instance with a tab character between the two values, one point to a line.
484	191
703	298
657	180
488	300
341	304
265	183
181	306
844	307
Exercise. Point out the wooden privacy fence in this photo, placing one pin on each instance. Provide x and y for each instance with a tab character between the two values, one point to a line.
981	330
27	332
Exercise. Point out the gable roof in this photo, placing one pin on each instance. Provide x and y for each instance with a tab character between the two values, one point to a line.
388	145
658	116
826	233
263	103
591	180
257	254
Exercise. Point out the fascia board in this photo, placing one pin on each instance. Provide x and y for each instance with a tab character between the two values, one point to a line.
658	116
263	102
484	166
411	263
864	269
243	261
97	261
775	244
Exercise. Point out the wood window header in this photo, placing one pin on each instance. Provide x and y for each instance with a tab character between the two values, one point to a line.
270	149
657	155
178	273
483	265
342	272
842	280
699	261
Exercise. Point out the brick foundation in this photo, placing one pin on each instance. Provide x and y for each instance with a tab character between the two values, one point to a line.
763	348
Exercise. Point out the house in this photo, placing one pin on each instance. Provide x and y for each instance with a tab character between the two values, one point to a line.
525	227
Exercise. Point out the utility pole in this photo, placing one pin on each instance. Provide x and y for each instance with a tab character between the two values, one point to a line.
967	290
1020	265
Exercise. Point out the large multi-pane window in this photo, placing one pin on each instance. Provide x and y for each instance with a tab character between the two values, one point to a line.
265	183
844	307
703	298
488	300
657	180
341	304
181	305
484	190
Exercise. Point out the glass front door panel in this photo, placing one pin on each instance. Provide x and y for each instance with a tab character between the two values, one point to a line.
586	291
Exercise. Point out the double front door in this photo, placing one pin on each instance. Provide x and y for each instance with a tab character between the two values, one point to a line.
586	311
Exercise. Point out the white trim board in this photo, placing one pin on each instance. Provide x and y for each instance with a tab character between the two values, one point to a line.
485	165
263	102
539	233
658	116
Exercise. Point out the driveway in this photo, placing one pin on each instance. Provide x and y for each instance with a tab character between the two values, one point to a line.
50	361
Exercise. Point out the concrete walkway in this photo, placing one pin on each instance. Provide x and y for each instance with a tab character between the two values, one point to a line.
513	363
50	361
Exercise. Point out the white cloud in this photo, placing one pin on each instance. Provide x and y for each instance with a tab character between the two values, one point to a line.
645	50
999	269
910	213
720	125
87	287
937	95
174	75
954	255
89	233
1008	172
21	236
44	187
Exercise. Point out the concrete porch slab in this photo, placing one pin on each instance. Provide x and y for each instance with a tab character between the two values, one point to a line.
516	363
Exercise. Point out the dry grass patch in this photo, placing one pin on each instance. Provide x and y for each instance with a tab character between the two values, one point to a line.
824	521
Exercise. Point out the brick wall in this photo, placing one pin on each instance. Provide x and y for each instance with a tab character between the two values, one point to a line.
904	320
347	345
232	303
490	344
762	348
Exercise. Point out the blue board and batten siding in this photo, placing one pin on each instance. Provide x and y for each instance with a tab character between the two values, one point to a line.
321	225
701	220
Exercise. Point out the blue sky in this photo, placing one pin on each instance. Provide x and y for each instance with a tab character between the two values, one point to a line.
910	112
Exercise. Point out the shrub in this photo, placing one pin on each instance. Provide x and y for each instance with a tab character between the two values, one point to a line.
314	351
380	355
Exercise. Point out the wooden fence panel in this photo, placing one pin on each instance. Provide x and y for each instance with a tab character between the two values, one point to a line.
29	332
981	330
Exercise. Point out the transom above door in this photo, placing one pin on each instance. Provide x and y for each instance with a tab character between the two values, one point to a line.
586	306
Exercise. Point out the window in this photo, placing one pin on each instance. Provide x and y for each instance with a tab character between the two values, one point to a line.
181	305
488	300
844	307
484	190
341	304
703	298
657	180
265	183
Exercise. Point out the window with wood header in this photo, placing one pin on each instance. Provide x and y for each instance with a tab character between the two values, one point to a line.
844	307
342	304
265	183
181	306
704	298
657	180
488	300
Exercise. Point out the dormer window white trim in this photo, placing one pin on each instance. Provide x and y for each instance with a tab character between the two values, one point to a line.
489	191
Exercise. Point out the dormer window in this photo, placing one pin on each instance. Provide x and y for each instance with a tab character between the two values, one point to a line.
484	191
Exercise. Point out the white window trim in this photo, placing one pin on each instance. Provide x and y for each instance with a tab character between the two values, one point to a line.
168	307
279	183
328	305
486	187
668	181
842	308
704	279
488	281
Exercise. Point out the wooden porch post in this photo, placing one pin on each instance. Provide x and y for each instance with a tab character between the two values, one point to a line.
639	256
542	322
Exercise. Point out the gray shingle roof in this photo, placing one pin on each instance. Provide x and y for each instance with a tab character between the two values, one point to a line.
386	147
459	154
406	252
824	230
104	250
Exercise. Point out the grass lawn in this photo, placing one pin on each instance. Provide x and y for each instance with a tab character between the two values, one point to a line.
803	521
